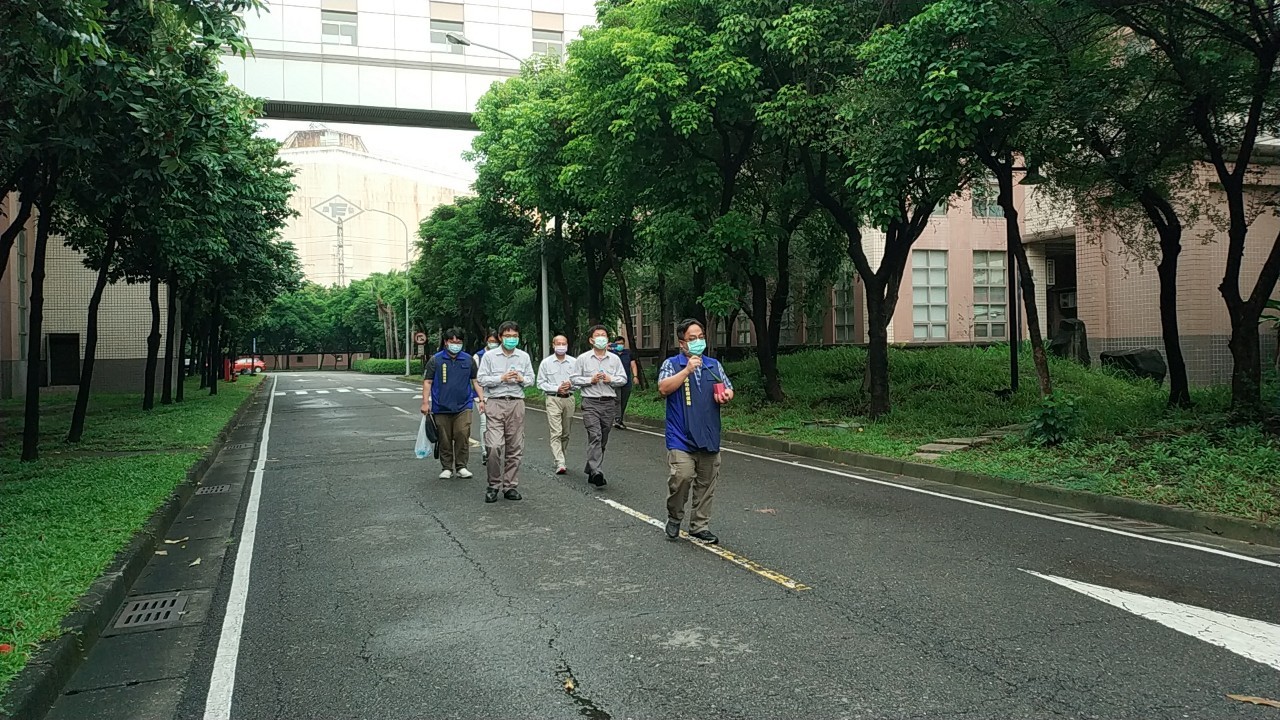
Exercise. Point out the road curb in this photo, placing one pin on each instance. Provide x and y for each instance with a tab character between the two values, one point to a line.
1223	526
38	685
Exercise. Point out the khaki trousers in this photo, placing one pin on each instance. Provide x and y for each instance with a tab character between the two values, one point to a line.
504	437
696	471
559	417
455	436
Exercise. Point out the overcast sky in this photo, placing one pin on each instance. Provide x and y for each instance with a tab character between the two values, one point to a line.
439	150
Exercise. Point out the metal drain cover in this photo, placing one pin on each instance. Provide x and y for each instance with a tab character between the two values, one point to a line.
151	610
237	446
212	489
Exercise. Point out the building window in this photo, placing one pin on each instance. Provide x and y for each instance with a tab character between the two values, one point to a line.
929	294
438	30
722	331
338	28
990	304
787	327
842	307
986	201
329	138
744	330
548	42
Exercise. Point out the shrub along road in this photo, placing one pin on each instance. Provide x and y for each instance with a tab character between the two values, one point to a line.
378	590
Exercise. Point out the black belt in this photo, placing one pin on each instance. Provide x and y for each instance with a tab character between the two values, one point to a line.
558	395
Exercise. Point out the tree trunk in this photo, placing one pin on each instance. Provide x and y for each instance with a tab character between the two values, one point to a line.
166	393
1246	352
153	347
35	326
91	342
1167	270
595	278
182	354
1013	235
215	344
566	303
10	234
877	350
766	340
665	337
629	327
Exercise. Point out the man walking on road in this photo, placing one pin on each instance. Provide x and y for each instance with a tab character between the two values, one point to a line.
555	380
695	387
598	373
503	376
448	388
624	394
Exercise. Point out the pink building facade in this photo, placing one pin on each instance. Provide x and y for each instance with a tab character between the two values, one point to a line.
956	289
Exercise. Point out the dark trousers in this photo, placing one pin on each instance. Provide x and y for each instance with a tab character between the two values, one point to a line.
624	396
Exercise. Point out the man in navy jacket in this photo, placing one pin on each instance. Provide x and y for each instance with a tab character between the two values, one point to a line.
448	389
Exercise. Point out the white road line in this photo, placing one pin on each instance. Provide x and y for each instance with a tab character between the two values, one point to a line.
279	394
223	680
344	389
993	506
299	392
322	392
406	412
364	390
404	389
1254	639
385	390
417	397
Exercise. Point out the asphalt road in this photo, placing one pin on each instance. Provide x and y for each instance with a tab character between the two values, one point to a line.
379	591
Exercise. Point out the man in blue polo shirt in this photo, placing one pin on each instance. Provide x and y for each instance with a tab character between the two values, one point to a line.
448	389
695	387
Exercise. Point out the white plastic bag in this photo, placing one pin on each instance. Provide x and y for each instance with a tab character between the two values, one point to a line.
423	449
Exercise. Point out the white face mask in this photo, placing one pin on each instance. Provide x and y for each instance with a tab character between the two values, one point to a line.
493	346
562	349
600	343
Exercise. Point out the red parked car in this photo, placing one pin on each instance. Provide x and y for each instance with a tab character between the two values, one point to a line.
251	365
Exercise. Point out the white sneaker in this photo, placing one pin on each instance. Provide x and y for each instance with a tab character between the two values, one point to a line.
464	473
446	474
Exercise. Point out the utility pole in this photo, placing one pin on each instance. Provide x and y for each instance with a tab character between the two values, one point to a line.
342	268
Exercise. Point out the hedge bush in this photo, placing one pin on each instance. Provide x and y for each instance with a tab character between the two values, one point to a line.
382	366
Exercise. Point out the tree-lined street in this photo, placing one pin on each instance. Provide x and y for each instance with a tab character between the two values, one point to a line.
418	600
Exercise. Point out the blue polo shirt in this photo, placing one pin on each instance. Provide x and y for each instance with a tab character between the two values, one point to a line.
693	415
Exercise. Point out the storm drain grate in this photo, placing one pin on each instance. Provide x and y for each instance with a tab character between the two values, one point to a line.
238	446
212	489
151	611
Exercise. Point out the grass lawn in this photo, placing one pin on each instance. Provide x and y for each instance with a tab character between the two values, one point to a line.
1127	444
63	519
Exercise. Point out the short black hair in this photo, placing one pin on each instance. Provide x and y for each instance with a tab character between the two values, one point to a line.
492	334
619	339
452	334
597	328
508	325
684	326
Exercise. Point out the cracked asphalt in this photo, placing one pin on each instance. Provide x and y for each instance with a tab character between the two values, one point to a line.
380	591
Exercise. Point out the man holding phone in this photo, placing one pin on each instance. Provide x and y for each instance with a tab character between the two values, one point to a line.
555	380
504	374
598	373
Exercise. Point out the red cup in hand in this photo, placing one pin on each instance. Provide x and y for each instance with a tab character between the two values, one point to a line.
719	392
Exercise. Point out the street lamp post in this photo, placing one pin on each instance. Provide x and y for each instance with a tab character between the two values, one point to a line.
404	225
460	39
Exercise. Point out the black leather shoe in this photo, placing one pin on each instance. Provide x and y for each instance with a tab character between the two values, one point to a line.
491	495
673	529
705	536
512	494
597	480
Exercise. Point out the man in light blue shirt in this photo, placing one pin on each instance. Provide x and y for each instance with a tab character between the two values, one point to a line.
598	373
504	374
555	380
